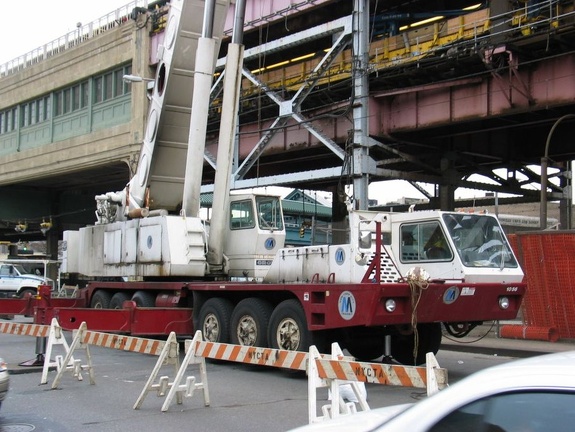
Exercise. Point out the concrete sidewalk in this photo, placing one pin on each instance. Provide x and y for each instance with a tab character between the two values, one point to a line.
484	339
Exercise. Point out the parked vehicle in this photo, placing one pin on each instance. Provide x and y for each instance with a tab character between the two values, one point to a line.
4	380
534	395
15	281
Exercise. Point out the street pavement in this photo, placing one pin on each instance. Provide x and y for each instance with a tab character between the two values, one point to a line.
243	397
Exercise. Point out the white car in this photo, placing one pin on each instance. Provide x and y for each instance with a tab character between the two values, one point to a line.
4	381
532	395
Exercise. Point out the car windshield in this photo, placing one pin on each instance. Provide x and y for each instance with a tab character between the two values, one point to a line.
479	240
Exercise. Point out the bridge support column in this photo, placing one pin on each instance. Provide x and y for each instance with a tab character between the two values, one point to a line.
446	191
565	204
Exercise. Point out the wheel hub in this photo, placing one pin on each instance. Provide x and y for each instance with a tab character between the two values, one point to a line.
289	335
211	328
247	331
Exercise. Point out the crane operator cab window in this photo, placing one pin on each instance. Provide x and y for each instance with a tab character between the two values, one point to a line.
242	215
269	213
424	241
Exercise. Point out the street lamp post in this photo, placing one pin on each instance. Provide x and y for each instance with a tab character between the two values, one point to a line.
136	79
150	82
544	165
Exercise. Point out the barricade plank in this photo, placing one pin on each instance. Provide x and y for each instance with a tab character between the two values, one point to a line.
36	330
252	355
124	343
376	373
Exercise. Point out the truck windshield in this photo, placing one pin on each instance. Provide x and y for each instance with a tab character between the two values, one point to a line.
12	270
269	213
479	240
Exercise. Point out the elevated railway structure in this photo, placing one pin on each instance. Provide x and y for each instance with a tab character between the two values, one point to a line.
335	93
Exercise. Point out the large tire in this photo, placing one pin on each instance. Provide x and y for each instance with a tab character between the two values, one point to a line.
429	341
101	300
366	344
250	321
214	320
144	299
118	300
288	327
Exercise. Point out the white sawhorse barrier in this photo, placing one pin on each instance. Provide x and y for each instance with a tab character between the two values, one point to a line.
167	352
338	370
323	371
176	388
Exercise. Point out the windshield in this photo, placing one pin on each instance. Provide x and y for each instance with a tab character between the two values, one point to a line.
479	240
19	269
269	213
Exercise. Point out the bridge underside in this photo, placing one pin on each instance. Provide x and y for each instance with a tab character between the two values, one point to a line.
473	113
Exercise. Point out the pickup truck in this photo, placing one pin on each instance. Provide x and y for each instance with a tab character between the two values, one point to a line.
16	282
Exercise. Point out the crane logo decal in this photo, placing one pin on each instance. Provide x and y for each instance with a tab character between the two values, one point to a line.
270	243
339	256
346	305
450	295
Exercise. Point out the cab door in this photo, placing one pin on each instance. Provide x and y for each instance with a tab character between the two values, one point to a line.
8	278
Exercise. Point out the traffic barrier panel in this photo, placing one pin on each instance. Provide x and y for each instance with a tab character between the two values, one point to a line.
167	351
37	330
296	360
197	350
323	371
55	337
341	370
318	378
25	329
124	343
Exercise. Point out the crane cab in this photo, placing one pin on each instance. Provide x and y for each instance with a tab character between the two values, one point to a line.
256	231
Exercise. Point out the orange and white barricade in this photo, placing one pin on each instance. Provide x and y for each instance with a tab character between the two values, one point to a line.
197	350
339	370
167	351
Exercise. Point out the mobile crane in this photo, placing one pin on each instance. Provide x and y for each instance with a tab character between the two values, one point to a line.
387	291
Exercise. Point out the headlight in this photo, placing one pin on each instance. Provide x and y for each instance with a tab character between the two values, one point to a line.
390	305
503	302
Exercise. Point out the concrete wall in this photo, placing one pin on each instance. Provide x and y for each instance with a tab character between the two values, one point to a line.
63	148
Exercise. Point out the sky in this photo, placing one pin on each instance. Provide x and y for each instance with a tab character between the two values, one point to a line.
43	21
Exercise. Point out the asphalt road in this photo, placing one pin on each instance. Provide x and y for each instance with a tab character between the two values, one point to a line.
242	397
